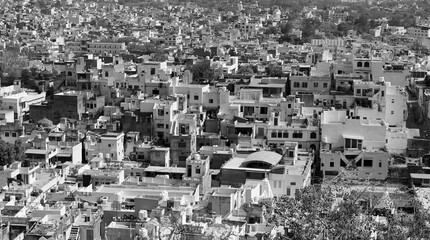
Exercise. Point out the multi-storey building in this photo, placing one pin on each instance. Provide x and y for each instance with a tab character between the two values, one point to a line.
351	142
183	138
287	173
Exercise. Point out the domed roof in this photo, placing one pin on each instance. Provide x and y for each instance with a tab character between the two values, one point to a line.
46	73
45	122
268	157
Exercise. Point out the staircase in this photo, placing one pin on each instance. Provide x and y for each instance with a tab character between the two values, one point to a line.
74	233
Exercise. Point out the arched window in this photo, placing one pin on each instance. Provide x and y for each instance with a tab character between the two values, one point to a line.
69	73
106	74
359	64
313	135
366	64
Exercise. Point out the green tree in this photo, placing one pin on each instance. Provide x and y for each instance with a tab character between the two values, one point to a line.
286	27
11	152
342	29
274	70
308	28
336	212
271	30
159	57
245	70
202	70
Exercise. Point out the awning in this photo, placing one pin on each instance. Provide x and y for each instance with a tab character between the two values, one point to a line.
353	137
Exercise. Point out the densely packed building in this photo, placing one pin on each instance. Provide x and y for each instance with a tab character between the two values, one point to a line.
128	122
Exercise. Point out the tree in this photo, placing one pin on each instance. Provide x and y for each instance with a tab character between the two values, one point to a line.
308	28
202	70
220	27
143	49
11	152
274	70
286	27
271	30
159	57
245	70
11	64
362	24
337	212
342	29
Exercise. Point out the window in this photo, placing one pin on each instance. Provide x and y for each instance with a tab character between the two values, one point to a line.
279	134
392	112
331	164
291	154
304	84
196	97
293	183
315	84
211	101
160	112
298	135
263	110
14	134
392	100
368	163
152	71
160	125
167	126
273	135
366	64
380	164
296	84
6	134
358	91
197	170
359	64
285	135
182	144
289	105
288	191
313	135
353	143
325	85
109	145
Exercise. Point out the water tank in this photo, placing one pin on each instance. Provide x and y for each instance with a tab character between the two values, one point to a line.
143	214
143	232
100	155
107	156
164	195
189	210
89	214
118	196
197	156
104	199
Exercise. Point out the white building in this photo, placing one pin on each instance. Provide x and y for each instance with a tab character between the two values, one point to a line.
353	142
112	145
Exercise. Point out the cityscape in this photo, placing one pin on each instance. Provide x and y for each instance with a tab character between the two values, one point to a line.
206	120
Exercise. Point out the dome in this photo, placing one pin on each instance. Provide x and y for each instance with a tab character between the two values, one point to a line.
46	74
45	122
262	159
